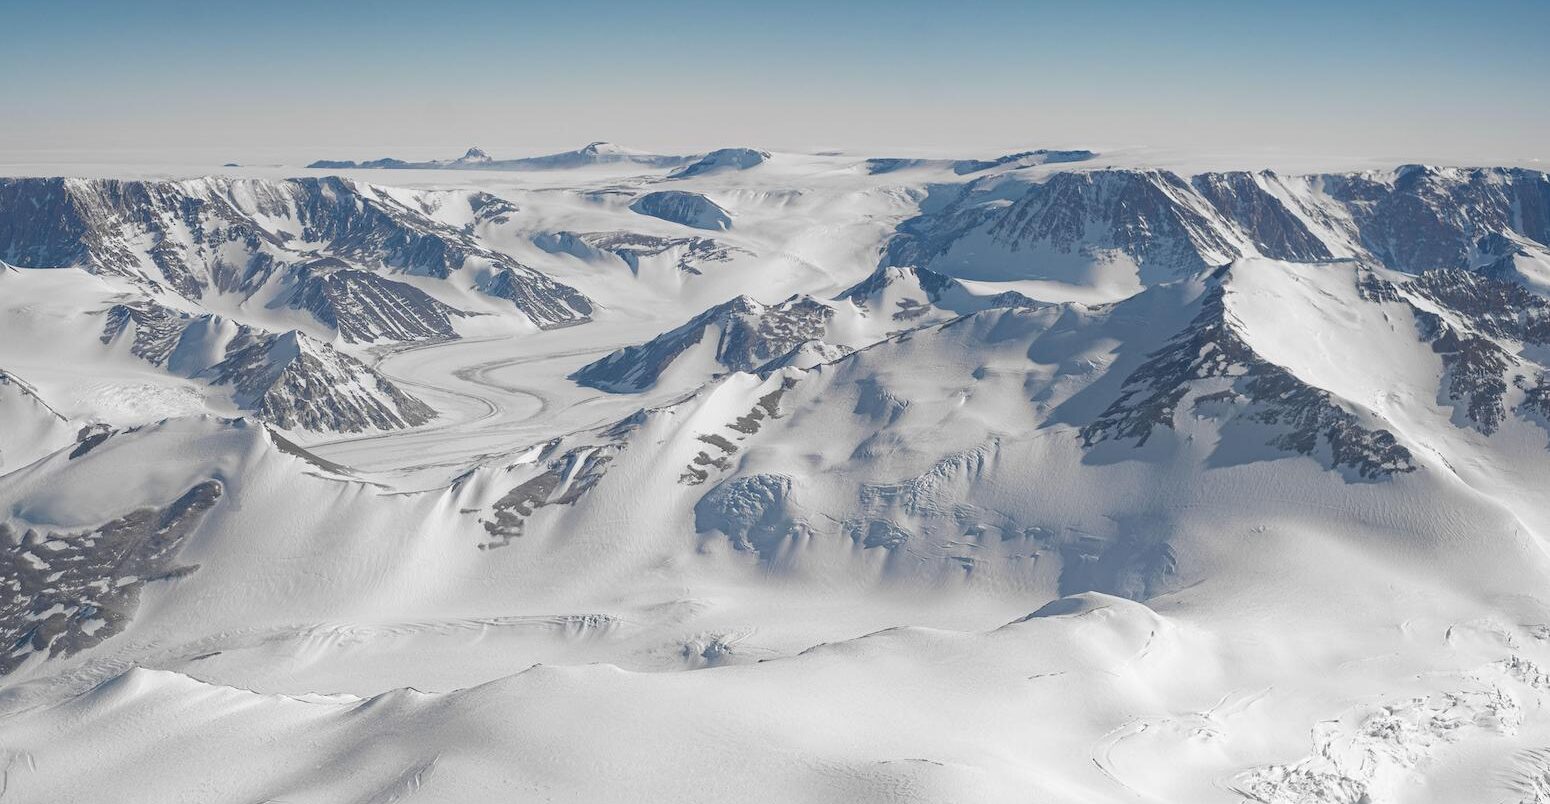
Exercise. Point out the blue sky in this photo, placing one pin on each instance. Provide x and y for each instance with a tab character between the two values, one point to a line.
1382	77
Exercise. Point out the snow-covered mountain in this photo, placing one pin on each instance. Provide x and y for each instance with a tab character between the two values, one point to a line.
1103	234
96	332
740	335
296	383
287	378
363	306
689	255
964	167
1061	478
596	153
690	209
743	334
276	243
722	160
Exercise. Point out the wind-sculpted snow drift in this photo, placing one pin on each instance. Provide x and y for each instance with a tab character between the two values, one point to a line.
1046	477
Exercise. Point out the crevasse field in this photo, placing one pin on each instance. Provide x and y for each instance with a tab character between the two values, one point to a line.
612	476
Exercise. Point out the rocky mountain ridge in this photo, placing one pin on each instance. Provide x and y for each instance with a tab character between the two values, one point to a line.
271	241
1139	227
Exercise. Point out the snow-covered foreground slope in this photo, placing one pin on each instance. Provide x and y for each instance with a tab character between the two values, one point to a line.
29	428
1022	482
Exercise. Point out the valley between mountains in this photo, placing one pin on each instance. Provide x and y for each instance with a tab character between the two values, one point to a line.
609	475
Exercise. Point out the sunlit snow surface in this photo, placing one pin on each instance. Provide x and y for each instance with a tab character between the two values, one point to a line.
914	573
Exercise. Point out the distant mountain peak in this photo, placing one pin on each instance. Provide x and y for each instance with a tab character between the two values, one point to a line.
723	160
593	153
474	156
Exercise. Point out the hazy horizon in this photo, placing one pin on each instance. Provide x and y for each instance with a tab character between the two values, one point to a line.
1432	80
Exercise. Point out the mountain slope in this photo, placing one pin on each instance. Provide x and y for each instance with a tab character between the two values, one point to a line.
1108	486
751	336
29	428
240	238
722	160
364	307
740	334
296	383
690	209
286	378
1095	236
1104	234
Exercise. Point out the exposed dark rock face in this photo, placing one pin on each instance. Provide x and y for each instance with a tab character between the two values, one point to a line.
491	208
931	283
156	329
91	437
632	247
1494	307
1536	397
749	334
910	295
761	338
1473	369
98	223
584	466
1210	350
1477	353
720	447
1135	212
1374	289
1416	219
690	209
769	332
236	236
365	229
1275	231
288	379
70	591
365	307
548	303
1422	218
1154	217
566	471
297	383
1497	255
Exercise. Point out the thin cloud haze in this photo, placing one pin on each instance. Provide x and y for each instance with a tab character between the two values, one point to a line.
289	78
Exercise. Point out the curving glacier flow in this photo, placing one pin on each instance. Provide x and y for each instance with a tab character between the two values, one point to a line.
1056	476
